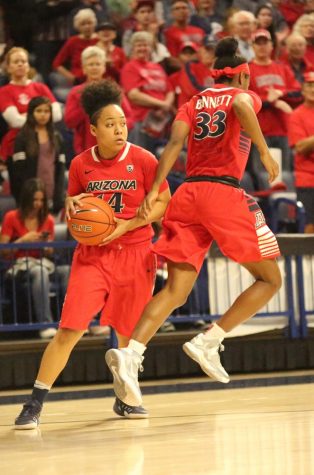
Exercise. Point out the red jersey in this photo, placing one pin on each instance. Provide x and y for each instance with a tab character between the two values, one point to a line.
191	79
76	119
217	144
272	120
149	78
309	54
14	227
71	52
117	57
19	97
301	126
123	182
176	36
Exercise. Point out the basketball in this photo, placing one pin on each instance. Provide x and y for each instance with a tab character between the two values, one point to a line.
92	222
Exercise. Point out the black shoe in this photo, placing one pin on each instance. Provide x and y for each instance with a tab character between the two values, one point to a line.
29	417
130	412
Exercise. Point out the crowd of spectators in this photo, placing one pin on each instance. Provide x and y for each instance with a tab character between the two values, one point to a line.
161	53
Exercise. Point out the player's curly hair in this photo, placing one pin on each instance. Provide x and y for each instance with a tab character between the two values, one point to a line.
98	95
226	55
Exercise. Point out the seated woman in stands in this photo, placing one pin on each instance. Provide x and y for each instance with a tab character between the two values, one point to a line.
31	222
38	152
15	97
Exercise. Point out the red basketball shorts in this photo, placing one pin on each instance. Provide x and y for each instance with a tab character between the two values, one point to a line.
200	212
116	280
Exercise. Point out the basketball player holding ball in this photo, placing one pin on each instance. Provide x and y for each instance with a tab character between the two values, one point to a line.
116	277
219	123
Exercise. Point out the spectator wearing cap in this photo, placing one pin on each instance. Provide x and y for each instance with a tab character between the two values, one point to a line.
188	52
275	84
181	30
301	138
70	53
115	56
244	24
265	21
94	67
206	17
149	92
195	75
294	56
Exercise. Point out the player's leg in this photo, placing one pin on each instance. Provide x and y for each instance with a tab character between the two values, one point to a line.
238	226
126	363
204	348
75	318
53	361
119	407
57	354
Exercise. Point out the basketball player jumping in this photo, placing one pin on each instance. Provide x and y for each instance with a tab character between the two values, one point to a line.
103	277
220	123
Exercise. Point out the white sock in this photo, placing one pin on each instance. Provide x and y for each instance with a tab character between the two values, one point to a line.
40	385
137	346
215	331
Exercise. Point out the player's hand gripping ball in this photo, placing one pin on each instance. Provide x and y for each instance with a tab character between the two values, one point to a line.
92	222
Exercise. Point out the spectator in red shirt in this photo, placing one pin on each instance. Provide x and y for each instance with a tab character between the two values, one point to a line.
64	78
291	10
195	74
275	84
149	92
115	56
181	31
301	138
94	67
15	97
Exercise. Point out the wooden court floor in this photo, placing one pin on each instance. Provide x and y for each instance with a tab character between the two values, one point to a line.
242	431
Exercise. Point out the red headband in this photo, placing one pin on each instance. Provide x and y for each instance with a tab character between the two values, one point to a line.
230	72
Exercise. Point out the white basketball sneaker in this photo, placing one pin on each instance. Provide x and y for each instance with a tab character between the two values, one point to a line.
206	353
124	365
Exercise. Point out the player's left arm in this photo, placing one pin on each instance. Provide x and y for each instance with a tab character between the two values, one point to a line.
244	110
179	131
126	225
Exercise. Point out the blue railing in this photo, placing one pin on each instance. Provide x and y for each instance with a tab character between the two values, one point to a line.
219	283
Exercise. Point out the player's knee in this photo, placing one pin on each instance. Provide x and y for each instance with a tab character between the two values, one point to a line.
67	337
179	299
274	280
277	282
177	295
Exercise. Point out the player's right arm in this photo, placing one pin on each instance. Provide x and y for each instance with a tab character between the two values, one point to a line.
74	190
179	132
244	110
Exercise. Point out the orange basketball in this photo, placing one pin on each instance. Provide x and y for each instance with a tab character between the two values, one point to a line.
92	222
